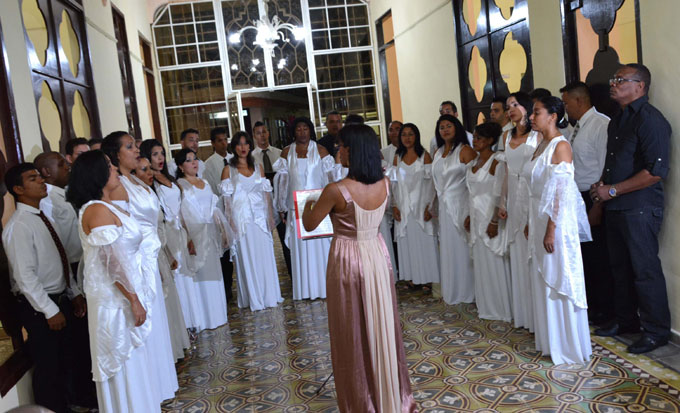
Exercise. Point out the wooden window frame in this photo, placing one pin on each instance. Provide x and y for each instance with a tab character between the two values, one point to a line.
127	80
382	62
150	79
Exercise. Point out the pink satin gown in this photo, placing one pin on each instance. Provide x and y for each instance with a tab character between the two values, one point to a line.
369	362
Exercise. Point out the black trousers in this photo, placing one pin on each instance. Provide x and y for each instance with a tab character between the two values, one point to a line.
51	352
227	273
281	230
83	389
639	283
598	276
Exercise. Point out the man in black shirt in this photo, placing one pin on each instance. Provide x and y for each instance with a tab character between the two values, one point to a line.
330	140
631	191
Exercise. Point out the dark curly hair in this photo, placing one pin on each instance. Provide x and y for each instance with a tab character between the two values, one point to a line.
89	175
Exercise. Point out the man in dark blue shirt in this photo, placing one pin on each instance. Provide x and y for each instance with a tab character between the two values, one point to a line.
331	140
631	191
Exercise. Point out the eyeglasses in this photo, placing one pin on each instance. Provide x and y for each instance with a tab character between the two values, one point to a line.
618	80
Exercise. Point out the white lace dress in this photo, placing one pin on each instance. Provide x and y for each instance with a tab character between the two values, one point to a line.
559	297
200	213
417	249
249	206
309	258
185	277
490	264
144	207
457	278
518	215
119	358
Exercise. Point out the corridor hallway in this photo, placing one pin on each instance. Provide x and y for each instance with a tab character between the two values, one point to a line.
275	361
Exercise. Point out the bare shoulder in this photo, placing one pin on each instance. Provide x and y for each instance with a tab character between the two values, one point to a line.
284	152
492	169
226	172
261	170
98	215
467	154
395	161
322	151
562	152
427	159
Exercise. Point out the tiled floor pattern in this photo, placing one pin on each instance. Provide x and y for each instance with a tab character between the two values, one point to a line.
276	360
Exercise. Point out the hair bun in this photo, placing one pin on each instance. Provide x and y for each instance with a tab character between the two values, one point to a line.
562	123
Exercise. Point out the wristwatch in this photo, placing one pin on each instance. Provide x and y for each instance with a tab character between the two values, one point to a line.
612	191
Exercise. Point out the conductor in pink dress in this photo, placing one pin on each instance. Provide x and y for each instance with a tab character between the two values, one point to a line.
369	362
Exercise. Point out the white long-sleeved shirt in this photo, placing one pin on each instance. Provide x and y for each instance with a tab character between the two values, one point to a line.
213	170
35	268
64	219
589	146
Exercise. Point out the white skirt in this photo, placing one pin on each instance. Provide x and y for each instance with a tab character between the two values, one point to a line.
130	390
179	339
561	328
457	278
522	296
309	259
210	289
159	348
258	279
492	283
418	255
190	303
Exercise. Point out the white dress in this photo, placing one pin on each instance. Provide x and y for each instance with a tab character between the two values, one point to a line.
309	258
518	216
560	308
249	206
417	249
185	277
200	213
119	357
490	264
144	207
457	279
179	338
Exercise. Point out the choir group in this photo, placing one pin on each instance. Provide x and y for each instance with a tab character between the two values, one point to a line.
494	218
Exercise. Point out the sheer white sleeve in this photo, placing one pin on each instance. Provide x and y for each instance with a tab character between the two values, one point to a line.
332	169
267	191
392	174
429	193
112	266
562	201
281	180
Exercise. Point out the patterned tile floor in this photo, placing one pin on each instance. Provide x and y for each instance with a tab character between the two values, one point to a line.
276	360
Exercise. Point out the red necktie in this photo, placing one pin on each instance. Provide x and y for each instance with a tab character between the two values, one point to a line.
60	247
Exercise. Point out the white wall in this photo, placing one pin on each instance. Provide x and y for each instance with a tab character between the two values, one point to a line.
19	395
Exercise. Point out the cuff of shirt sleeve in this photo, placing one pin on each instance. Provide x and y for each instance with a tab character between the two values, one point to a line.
658	168
51	310
72	292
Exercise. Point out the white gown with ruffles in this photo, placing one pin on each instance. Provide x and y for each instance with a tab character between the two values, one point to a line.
517	206
144	207
490	263
457	278
119	358
203	217
417	249
248	205
177	241
560	307
309	258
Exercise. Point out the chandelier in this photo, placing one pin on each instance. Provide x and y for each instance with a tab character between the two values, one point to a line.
269	31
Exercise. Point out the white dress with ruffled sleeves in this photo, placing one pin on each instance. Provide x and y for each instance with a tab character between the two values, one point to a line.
144	207
560	307
457	278
249	207
490	263
200	212
119	356
417	249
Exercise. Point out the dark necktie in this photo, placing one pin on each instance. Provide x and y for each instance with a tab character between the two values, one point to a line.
267	163
226	162
575	131
60	247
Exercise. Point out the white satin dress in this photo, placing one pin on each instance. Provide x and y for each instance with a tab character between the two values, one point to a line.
457	278
490	264
559	294
518	216
185	277
120	359
253	252
417	249
144	207
199	210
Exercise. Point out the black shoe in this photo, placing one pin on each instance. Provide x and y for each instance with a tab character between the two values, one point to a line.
614	329
646	344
